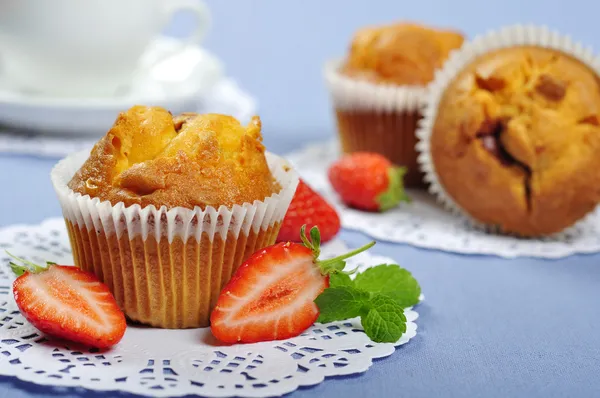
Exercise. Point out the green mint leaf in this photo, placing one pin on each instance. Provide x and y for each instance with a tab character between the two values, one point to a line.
339	303
385	322
340	279
391	280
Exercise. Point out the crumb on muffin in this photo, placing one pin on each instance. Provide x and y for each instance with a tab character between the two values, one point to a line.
516	141
150	157
402	53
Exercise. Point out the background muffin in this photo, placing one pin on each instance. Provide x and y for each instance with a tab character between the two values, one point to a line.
402	54
165	209
516	140
378	89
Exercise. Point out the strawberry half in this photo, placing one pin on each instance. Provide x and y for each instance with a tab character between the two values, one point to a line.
66	302
310	209
368	181
272	295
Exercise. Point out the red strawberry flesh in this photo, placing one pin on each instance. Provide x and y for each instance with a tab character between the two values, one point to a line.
66	302
271	296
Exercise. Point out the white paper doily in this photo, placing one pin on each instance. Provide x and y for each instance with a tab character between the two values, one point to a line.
226	97
158	362
424	223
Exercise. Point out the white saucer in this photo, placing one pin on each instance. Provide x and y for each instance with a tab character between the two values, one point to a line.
177	83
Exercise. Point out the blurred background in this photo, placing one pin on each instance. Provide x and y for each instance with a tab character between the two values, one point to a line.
275	49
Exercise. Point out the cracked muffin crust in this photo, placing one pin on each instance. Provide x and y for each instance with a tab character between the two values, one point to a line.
403	53
150	157
516	140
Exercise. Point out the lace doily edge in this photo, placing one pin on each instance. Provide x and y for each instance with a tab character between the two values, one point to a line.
384	351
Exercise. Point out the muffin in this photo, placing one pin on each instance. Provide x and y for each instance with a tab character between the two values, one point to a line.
515	140
378	89
164	209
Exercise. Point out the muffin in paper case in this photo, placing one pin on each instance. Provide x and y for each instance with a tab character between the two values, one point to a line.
478	192
166	267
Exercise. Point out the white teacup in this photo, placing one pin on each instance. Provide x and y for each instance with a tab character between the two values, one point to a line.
83	47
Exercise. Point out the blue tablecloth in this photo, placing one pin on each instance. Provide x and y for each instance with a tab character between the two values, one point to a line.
489	327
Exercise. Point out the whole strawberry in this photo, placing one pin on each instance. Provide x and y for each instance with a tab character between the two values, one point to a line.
310	209
368	181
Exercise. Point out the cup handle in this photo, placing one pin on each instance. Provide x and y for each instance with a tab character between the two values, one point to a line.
202	13
203	22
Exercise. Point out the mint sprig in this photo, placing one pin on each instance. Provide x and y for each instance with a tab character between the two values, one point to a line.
391	280
341	303
378	296
340	279
385	322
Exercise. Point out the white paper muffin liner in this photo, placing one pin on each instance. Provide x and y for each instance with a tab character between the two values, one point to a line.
510	36
377	117
166	267
349	94
82	210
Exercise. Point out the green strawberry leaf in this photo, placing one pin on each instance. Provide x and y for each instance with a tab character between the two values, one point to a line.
391	280
333	268
337	264
395	192
339	303
26	266
385	322
340	279
314	244
315	237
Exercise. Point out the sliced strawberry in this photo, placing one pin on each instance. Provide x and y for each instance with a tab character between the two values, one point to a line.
310	209
68	303
271	296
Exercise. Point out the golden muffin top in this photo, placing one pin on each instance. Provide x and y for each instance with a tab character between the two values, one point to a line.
403	53
516	141
150	157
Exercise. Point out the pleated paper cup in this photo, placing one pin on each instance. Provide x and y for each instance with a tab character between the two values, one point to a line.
379	118
166	267
507	37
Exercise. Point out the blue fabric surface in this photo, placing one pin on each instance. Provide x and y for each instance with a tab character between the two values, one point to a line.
489	327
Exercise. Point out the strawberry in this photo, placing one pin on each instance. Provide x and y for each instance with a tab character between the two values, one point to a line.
368	181
310	209
271	296
68	303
